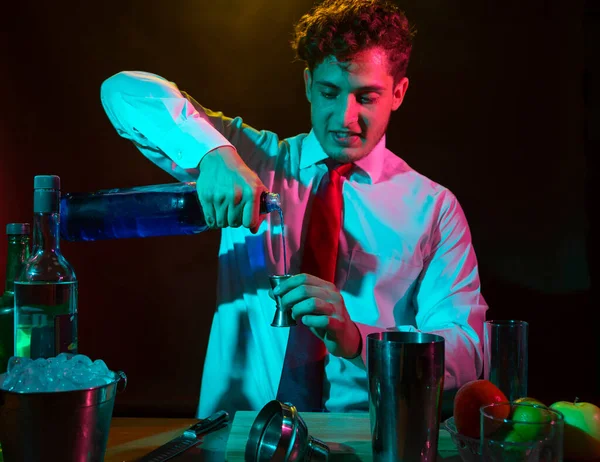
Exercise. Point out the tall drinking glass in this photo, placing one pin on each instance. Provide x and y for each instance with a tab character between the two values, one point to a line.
505	362
522	432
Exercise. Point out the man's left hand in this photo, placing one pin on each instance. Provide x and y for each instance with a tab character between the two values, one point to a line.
319	305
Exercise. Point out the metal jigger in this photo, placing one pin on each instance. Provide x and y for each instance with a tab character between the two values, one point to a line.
279	434
283	317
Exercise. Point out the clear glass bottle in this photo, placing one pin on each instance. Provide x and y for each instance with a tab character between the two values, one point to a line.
18	252
142	211
46	289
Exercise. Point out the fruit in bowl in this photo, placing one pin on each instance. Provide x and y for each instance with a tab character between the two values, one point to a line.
463	426
529	400
531	411
468	401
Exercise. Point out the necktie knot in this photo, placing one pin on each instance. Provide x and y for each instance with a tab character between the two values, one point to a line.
339	170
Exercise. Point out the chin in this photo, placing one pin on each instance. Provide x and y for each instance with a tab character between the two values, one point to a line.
345	155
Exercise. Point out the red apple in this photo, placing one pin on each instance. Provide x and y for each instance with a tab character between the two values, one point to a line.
468	401
582	429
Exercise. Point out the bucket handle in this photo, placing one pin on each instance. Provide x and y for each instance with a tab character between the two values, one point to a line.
121	381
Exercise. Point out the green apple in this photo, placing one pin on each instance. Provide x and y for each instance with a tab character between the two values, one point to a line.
582	429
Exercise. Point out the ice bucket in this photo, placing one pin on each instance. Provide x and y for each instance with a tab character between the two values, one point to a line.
70	426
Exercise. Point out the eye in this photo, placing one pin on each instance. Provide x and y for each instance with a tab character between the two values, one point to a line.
328	95
367	99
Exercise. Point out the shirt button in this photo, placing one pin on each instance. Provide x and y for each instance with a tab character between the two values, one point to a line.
179	155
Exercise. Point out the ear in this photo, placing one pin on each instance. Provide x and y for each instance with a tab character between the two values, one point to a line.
308	84
399	92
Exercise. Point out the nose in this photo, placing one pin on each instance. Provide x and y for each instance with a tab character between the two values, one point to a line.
347	110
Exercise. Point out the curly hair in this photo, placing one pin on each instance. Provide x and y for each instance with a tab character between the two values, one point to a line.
343	28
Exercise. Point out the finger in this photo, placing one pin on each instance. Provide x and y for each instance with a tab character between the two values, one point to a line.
311	306
304	279
309	279
247	208
290	283
256	199
316	322
221	215
232	219
235	209
207	209
209	214
261	218
303	292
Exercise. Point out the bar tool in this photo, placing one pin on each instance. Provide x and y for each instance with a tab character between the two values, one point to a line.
283	317
279	434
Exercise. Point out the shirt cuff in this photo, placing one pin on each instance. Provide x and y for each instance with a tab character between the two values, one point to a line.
364	329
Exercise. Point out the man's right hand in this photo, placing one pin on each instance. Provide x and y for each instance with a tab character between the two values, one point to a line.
229	191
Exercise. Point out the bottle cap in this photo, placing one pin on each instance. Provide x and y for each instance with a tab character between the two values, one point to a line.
46	194
46	182
18	228
269	202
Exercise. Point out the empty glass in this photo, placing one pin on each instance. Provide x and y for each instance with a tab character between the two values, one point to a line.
505	358
522	432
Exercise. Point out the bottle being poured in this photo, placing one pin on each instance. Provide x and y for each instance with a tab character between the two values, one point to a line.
144	211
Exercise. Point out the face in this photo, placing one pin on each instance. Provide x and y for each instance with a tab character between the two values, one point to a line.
351	103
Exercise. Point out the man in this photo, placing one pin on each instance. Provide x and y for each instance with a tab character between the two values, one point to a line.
402	258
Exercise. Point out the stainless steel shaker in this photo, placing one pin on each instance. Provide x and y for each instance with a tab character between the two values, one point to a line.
406	378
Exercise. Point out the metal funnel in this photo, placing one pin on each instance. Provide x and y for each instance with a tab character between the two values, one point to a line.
279	434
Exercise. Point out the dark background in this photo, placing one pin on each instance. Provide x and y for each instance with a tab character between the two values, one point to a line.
502	109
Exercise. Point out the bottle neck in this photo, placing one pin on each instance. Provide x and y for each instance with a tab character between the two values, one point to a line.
45	232
18	253
46	220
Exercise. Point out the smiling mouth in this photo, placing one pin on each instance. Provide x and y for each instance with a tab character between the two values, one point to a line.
342	134
346	139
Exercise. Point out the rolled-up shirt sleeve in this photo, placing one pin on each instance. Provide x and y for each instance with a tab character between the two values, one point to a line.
156	116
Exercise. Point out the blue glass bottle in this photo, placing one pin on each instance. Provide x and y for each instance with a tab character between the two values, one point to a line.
142	211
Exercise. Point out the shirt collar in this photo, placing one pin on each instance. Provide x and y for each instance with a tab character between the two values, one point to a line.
372	164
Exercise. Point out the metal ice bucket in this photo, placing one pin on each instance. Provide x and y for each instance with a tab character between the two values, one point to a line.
70	426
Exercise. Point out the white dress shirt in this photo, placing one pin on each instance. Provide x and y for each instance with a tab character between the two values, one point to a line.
406	261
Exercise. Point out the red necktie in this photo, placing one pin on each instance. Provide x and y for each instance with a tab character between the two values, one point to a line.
303	368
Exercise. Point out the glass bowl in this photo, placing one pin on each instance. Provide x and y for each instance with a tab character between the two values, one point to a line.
468	448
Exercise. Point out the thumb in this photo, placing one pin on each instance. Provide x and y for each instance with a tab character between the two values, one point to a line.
254	229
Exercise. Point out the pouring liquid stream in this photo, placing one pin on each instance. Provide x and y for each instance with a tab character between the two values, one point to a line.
285	269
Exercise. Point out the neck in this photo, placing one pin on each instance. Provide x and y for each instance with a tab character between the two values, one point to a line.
45	232
18	253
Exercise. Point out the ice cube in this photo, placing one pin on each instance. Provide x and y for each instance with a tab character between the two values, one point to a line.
80	360
65	372
62	357
15	363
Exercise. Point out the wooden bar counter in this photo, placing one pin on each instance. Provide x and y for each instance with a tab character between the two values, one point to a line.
346	434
